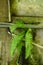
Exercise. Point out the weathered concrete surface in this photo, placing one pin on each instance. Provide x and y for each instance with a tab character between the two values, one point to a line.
39	40
27	7
4	16
28	19
37	52
5	40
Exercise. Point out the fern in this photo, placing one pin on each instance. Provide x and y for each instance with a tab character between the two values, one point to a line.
16	25
16	41
28	43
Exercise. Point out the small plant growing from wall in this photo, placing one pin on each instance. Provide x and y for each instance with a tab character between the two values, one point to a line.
25	34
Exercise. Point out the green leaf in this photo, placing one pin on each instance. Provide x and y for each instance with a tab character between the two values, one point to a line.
12	27
15	41
28	43
17	24
19	46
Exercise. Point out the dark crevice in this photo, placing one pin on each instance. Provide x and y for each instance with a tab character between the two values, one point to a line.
22	59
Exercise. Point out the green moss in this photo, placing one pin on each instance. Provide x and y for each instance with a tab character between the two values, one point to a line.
28	19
